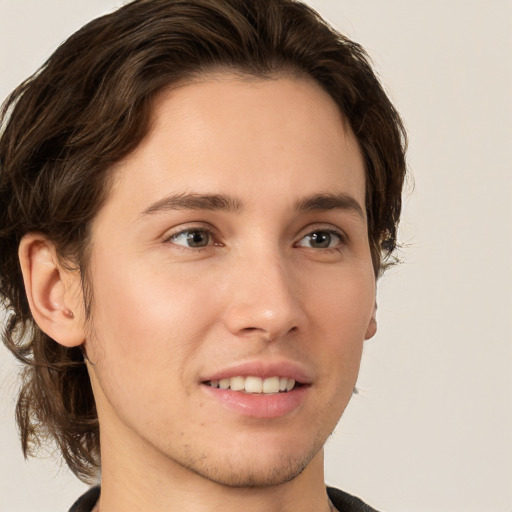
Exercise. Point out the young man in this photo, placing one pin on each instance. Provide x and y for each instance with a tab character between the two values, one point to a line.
197	200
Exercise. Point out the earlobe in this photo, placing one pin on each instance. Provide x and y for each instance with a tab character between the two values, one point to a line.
372	326
51	291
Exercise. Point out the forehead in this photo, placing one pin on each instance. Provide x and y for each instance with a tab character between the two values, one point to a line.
251	138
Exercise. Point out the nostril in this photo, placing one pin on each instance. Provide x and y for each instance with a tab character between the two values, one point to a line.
257	333
267	335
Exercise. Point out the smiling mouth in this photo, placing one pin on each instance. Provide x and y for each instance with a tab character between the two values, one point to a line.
255	385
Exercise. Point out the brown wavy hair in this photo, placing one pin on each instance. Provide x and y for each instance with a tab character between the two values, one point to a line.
89	106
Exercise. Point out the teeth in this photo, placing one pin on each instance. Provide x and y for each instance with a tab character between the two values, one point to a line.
255	385
237	383
291	384
271	385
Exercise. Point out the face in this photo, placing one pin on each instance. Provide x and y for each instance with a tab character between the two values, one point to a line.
233	284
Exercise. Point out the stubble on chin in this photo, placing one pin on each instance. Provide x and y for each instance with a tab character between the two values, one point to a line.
235	472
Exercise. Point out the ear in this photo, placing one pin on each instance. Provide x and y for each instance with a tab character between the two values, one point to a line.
372	325
53	292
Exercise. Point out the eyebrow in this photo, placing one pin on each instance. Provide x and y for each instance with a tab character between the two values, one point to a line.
328	201
223	202
220	202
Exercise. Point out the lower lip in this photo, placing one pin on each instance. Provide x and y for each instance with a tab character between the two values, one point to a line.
259	405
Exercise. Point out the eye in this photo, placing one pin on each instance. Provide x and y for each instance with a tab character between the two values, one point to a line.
321	239
193	238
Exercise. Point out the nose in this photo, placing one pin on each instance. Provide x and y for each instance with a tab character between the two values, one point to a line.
264	298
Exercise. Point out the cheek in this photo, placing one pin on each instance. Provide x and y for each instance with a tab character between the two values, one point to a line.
344	302
154	321
340	312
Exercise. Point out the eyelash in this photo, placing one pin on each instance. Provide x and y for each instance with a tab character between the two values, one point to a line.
193	229
212	235
331	232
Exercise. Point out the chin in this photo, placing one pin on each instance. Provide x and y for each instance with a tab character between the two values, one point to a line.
243	476
252	471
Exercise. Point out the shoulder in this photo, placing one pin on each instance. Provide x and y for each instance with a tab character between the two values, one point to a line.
346	502
87	501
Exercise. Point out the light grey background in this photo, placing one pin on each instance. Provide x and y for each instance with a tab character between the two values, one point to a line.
431	430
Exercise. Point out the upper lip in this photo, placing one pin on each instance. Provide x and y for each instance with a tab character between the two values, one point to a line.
263	369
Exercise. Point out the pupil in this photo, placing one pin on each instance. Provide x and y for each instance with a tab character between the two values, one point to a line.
321	239
198	239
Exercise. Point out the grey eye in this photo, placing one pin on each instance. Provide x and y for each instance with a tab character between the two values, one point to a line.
192	238
320	240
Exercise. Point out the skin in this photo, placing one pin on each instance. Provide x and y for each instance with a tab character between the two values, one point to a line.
166	315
